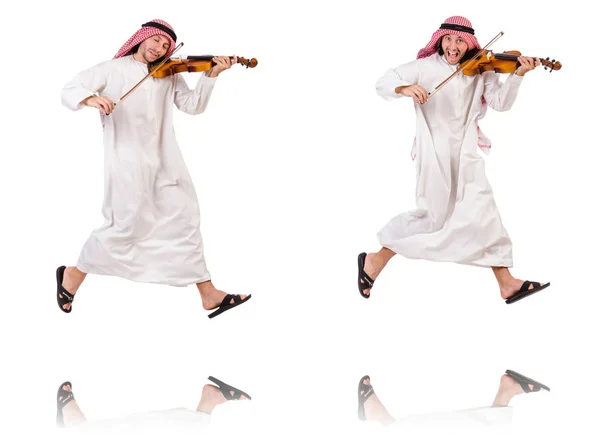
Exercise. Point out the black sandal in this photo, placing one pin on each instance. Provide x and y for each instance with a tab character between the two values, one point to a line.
62	398
364	392
227	305
63	297
365	282
524	382
230	393
525	292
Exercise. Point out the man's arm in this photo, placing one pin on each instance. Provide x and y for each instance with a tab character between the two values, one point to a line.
395	82
194	101
81	89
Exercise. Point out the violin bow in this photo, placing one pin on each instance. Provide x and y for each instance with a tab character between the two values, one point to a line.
148	75
465	65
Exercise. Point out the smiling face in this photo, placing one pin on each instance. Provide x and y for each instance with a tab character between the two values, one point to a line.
454	48
152	49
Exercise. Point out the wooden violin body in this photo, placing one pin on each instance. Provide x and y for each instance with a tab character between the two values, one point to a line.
194	64
504	63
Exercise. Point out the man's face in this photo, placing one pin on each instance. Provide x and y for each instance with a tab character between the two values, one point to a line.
153	48
454	48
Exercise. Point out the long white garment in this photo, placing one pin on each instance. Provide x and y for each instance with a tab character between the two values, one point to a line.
476	421
151	231
456	218
170	421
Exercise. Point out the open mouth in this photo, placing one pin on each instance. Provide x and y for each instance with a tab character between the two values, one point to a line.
452	57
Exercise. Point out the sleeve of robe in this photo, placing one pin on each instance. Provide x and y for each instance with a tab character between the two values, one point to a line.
501	96
193	101
85	84
403	75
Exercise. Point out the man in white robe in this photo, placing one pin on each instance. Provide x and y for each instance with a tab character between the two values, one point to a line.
151	231
456	218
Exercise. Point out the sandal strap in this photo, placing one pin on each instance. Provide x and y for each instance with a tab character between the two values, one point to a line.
66	295
367	280
237	395
63	399
228	298
366	392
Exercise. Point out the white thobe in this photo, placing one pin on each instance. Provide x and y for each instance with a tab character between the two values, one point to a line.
456	218
171	421
151	231
476	421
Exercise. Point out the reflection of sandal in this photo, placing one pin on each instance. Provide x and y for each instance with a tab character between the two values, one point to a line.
62	398
63	297
365	282
524	291
524	381
227	305
230	393
364	392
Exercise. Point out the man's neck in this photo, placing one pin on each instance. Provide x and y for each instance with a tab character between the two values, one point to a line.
139	58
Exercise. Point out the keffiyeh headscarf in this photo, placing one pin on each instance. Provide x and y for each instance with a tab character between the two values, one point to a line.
456	25
151	28
462	27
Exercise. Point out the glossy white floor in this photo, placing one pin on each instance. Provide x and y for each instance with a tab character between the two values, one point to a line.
298	164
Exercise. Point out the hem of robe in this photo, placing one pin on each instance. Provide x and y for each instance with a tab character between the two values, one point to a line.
479	419
177	420
507	262
88	268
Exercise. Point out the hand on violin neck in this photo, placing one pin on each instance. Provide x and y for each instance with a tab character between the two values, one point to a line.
104	104
527	64
221	64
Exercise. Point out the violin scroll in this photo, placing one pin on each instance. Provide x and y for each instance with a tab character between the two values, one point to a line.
248	63
553	65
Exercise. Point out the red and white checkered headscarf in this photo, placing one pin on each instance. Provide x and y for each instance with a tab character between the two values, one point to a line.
456	25
151	28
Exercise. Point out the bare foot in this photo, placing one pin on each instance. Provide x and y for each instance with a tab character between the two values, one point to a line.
374	409
72	279
374	264
508	389
215	299
70	414
211	297
511	287
213	396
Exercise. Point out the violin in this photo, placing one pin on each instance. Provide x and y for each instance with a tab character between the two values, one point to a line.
485	60
194	64
170	66
504	63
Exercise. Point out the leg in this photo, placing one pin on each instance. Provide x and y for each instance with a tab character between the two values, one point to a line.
509	285
213	298
72	278
371	408
68	412
374	264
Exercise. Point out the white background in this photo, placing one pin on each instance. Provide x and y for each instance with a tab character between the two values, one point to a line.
298	163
